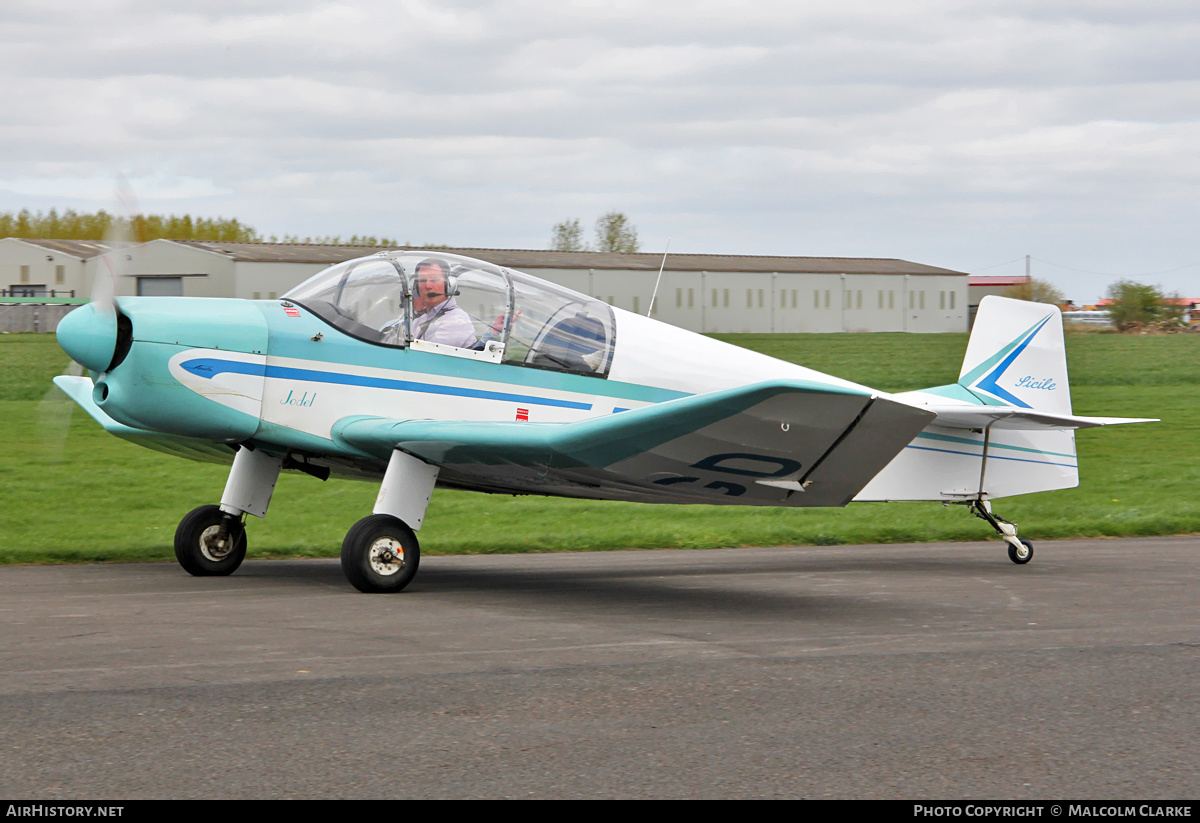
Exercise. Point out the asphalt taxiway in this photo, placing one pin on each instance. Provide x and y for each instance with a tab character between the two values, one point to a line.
910	671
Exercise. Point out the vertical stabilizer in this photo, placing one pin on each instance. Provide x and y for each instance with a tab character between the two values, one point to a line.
1016	356
1015	359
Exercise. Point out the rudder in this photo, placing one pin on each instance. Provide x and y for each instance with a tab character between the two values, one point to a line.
1016	356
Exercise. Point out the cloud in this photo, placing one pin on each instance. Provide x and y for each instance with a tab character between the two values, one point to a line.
955	133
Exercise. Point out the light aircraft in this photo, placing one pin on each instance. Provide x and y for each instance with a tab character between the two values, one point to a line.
554	393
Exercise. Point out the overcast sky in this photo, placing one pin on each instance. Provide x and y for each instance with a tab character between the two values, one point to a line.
957	134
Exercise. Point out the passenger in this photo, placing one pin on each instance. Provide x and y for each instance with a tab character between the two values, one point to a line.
439	319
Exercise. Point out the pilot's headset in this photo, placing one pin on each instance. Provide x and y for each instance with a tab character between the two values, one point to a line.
449	279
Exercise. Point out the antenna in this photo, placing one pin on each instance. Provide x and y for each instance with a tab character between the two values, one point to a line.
659	280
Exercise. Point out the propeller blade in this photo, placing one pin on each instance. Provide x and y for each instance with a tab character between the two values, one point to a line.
118	239
54	414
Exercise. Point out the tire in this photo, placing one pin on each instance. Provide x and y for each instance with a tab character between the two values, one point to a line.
1020	558
365	554
198	545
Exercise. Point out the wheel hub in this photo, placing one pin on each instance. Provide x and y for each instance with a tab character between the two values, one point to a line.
386	556
216	543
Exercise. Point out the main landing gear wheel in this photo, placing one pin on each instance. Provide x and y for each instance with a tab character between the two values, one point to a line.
210	542
1022	555
380	554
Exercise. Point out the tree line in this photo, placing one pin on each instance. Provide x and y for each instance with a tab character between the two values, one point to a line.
613	231
73	225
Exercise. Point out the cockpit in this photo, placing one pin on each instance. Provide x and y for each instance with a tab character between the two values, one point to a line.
455	305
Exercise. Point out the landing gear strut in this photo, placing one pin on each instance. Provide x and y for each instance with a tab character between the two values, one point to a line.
1020	550
211	540
380	552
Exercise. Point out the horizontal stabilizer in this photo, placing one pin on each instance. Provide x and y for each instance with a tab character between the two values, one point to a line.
786	442
1003	417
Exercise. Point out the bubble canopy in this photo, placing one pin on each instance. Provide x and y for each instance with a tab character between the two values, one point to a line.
526	320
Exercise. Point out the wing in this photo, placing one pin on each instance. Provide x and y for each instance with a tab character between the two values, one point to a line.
79	389
787	443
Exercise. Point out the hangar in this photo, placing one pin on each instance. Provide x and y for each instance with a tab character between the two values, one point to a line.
699	292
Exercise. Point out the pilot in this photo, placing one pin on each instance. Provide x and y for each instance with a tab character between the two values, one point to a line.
439	319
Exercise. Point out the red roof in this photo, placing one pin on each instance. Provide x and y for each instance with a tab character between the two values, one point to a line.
996	279
1179	301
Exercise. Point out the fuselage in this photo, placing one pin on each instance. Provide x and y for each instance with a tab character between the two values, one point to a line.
282	375
283	372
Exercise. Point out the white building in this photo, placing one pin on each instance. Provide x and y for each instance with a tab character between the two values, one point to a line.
699	292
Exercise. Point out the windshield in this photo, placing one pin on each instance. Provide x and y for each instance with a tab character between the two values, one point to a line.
366	298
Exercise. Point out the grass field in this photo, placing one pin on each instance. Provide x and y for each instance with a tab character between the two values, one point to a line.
73	493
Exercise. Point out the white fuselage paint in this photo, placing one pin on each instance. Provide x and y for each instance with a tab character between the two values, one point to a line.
651	353
940	464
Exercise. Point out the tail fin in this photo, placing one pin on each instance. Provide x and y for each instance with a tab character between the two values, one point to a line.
1007	428
1016	356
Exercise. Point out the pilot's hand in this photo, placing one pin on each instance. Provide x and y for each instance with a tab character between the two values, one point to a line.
498	323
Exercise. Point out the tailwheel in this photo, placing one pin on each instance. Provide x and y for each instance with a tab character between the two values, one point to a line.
1020	555
380	554
1020	550
210	542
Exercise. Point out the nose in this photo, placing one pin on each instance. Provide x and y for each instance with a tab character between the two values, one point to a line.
89	336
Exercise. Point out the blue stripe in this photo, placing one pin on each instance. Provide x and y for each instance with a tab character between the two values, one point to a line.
995	457
988	383
210	368
993	445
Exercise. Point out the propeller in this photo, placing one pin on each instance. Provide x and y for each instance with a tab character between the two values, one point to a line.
119	236
91	334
